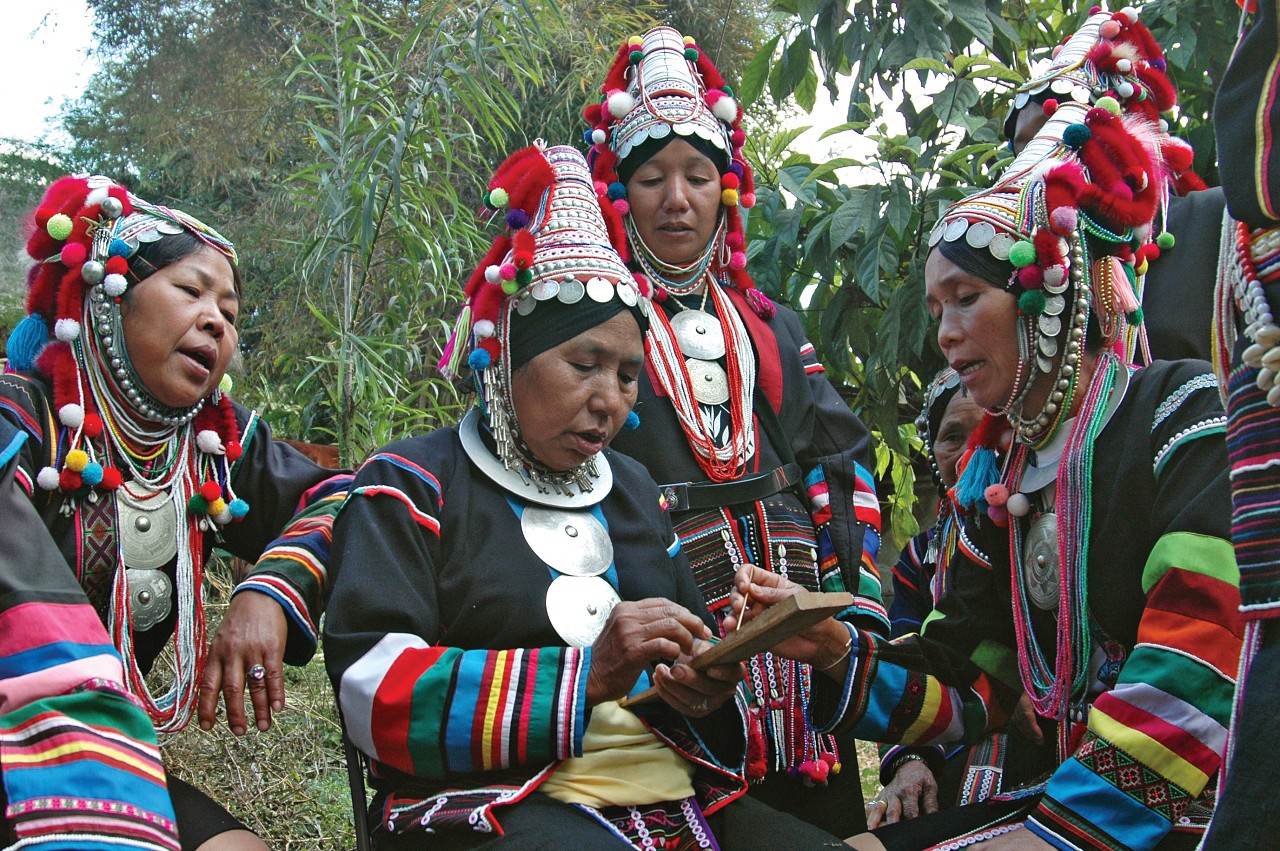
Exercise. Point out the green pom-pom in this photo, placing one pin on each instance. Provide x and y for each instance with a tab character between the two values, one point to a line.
510	287
1076	135
524	277
197	504
59	226
727	89
1110	104
498	197
1023	253
1136	317
225	383
1165	241
1031	302
636	56
691	53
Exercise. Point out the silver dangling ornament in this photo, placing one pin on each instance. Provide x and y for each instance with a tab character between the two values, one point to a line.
579	606
708	381
699	334
1040	562
574	543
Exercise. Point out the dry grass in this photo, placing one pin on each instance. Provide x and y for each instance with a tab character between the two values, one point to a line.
290	783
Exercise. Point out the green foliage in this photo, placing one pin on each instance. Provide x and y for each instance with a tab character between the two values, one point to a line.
25	169
928	83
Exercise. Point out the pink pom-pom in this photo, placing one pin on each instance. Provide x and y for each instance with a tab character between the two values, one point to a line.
622	206
996	494
73	254
734	241
747	199
998	514
1064	220
1031	277
601	187
507	271
660	294
1110	29
738	260
737	138
1053	54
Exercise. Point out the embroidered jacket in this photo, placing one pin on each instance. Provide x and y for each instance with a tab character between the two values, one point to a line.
1162	592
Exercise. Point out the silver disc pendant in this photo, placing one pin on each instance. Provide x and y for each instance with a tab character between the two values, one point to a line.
572	542
708	381
1054	305
150	597
148	529
1050	325
699	334
1040	562
578	607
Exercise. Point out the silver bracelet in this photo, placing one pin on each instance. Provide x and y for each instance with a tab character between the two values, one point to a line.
848	646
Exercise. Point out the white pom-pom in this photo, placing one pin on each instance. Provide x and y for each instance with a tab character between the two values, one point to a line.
1130	13
1164	126
209	442
483	329
97	196
493	274
47	479
115	285
620	103
1124	66
1125	90
71	415
1143	232
66	330
1018	505
223	517
726	109
1054	275
599	136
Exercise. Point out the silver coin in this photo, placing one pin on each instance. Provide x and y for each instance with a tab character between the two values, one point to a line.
150	597
1040	562
628	294
149	236
1080	94
1050	325
579	606
955	229
1058	289
1054	305
545	290
935	235
572	542
708	381
1044	364
148	529
571	291
1001	245
169	228
1048	346
1020	99
1061	86
525	303
699	334
980	234
600	290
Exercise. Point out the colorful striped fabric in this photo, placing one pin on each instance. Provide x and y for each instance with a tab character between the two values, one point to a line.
430	710
1253	443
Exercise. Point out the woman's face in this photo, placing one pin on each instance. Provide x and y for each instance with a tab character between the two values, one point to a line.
958	422
977	329
179	327
571	401
675	202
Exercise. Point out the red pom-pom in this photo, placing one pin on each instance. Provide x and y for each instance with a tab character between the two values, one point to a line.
737	260
737	138
73	254
523	259
117	265
1050	107
729	181
1031	277
92	425
211	490
69	480
233	450
111	479
734	241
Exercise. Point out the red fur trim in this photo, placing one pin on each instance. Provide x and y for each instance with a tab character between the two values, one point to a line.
523	241
42	288
614	226
1159	90
70	296
1189	181
593	113
486	303
617	76
1047	253
58	363
1100	56
496	252
1178	155
524	175
1140	37
987	434
1062	186
604	166
710	74
1116	161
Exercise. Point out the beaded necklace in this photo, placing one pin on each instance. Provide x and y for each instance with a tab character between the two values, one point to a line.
1257	262
1053	686
676	279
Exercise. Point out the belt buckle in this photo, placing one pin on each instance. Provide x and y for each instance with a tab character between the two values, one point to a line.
677	496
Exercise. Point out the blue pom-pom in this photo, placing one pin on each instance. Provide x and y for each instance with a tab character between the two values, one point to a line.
238	508
586	137
120	248
632	422
91	474
25	342
1076	135
478	360
617	191
981	472
517	219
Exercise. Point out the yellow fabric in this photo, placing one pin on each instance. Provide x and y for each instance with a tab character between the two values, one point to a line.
622	764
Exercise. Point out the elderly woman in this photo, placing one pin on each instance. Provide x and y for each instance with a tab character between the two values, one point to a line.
501	584
136	461
1100	559
760	458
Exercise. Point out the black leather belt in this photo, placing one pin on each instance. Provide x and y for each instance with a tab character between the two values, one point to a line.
695	496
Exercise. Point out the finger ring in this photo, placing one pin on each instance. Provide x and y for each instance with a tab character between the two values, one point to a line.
257	673
876	802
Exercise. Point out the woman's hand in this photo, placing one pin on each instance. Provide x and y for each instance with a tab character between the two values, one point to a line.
250	640
697	693
823	645
912	791
637	634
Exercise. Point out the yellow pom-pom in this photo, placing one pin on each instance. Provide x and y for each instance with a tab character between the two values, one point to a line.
498	197
1141	268
690	40
1110	104
218	506
77	459
729	197
635	41
59	226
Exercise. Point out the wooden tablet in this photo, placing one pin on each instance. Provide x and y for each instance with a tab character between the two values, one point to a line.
768	629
